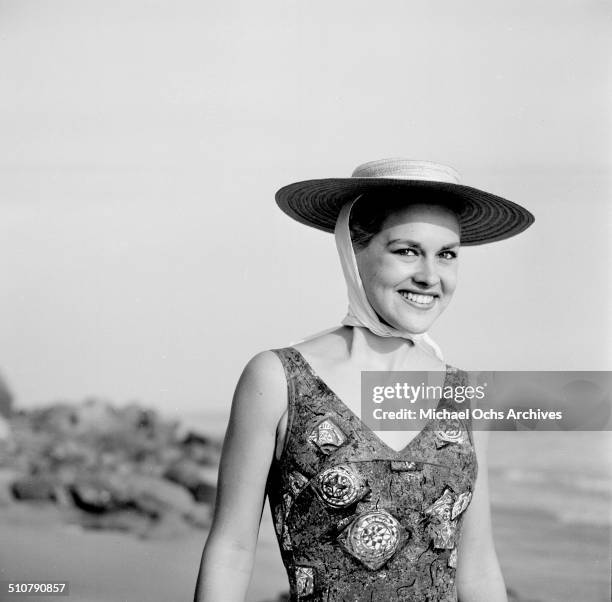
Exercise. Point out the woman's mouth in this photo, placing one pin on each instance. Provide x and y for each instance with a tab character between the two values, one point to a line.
419	300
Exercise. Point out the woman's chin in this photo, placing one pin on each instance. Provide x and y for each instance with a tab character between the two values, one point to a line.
410	324
412	327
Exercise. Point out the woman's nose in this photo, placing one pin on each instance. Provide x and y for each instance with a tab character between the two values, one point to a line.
426	275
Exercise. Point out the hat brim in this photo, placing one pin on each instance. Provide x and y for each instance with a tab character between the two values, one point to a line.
483	217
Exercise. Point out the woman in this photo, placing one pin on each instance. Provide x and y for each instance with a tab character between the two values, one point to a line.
363	514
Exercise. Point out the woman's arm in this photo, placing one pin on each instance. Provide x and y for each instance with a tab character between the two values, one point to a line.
259	402
479	578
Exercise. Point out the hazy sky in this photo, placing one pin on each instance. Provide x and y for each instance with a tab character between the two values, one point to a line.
141	142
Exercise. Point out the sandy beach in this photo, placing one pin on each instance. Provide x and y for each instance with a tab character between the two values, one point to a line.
557	564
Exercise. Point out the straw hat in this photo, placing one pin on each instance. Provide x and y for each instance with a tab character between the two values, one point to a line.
483	217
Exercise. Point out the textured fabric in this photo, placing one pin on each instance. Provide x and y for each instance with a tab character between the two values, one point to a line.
360	312
357	521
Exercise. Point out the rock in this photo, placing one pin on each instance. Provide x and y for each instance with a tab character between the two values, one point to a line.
98	495
113	465
6	399
200	449
5	429
92	416
7	477
148	421
58	419
168	456
191	476
40	488
157	497
193	438
7	441
72	452
138	417
97	416
123	520
153	497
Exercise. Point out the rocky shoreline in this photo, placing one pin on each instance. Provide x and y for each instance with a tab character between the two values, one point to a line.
110	468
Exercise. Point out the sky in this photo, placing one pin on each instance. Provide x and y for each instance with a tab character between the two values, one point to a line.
142	254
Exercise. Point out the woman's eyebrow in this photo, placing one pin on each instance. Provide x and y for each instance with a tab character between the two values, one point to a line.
452	245
405	241
414	243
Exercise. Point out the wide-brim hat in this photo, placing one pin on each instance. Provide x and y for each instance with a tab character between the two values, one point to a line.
483	217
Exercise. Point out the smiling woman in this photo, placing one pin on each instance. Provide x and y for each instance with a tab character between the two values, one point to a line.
363	514
413	261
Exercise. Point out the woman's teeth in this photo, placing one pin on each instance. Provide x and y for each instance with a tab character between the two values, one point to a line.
422	299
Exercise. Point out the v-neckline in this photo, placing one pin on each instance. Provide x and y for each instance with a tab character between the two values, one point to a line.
356	418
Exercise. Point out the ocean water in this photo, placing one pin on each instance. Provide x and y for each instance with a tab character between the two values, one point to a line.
567	475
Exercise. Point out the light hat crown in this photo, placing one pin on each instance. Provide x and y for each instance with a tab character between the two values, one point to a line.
408	169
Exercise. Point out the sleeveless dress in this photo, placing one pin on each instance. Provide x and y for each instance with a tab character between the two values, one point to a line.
357	521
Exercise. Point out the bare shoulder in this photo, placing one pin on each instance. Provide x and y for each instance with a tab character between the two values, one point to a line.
265	370
262	385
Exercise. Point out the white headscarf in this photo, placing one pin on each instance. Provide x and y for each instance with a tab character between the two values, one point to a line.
360	312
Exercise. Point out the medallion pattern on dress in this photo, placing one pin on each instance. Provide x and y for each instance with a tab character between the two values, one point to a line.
340	486
373	538
297	482
440	528
327	436
304	581
450	430
461	503
441	508
442	515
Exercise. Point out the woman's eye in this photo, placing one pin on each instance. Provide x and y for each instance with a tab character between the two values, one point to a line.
407	251
448	254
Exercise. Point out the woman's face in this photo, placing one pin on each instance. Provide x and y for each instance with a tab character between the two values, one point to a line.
409	269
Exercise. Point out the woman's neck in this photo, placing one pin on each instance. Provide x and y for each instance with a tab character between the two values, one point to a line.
374	352
356	348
